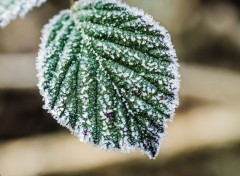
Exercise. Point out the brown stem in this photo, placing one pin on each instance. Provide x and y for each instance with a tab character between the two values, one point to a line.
72	2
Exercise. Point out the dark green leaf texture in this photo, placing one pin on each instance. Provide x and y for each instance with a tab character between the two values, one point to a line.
109	73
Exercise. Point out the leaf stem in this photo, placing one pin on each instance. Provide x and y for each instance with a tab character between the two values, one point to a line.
71	2
74	13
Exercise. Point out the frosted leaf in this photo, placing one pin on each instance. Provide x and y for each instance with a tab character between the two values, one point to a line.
109	73
11	9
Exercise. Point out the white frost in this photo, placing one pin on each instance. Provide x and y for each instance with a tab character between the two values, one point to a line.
11	9
172	85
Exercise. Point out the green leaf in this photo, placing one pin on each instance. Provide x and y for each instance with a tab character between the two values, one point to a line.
11	9
109	73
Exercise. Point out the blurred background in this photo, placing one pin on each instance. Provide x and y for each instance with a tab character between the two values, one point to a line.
203	139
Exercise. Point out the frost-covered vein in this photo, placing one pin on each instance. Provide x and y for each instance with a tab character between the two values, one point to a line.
144	133
75	115
136	64
130	123
119	20
127	38
58	81
123	123
99	6
104	17
162	56
144	102
77	111
147	134
150	132
105	31
83	127
130	57
126	125
145	77
49	34
140	26
146	93
70	83
122	49
65	100
75	50
141	104
106	110
129	72
55	51
97	131
62	67
144	21
126	121
89	93
125	85
60	24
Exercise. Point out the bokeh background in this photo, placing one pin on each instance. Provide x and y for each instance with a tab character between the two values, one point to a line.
203	139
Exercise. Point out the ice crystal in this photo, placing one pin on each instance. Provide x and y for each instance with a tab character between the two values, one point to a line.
109	73
11	9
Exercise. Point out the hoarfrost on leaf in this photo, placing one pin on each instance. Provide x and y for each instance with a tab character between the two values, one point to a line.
109	73
11	9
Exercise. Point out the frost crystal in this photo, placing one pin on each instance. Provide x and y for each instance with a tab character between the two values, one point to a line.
109	73
11	9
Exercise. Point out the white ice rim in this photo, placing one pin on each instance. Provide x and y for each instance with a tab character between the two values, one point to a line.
18	9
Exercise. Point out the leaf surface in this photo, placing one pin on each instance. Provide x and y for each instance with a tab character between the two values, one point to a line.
109	73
